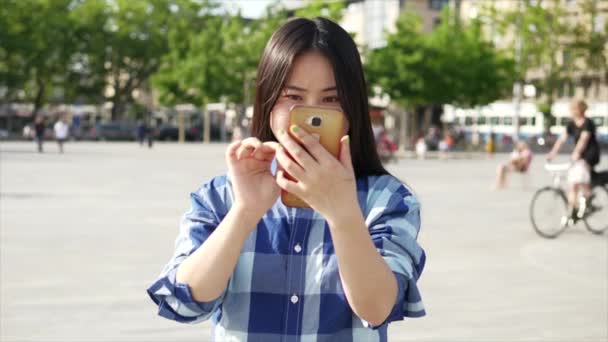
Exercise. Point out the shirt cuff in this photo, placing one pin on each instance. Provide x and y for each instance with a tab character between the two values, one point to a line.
175	300
396	312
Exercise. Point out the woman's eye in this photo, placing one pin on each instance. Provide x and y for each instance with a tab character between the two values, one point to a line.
331	99
293	97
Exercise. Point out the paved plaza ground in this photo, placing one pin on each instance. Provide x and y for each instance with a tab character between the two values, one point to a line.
84	233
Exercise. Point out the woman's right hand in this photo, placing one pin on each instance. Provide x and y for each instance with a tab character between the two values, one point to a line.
255	188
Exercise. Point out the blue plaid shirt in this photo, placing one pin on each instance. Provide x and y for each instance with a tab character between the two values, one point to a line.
286	285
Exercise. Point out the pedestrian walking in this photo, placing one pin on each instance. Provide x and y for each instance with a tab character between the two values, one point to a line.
142	130
62	130
150	135
39	130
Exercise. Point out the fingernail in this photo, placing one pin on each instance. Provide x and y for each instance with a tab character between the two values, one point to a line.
346	139
295	129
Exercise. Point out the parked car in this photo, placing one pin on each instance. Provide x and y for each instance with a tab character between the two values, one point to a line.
166	132
113	131
169	132
195	132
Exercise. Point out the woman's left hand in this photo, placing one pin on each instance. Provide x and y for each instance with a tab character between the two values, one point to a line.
327	184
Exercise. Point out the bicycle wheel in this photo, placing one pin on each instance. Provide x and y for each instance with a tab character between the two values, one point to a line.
596	218
549	212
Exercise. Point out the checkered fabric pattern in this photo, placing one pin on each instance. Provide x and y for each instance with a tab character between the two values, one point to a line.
286	285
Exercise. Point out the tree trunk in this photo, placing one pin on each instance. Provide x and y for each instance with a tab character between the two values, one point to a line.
39	96
206	125
404	136
117	107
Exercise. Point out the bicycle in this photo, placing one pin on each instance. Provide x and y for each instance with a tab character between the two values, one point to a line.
549	212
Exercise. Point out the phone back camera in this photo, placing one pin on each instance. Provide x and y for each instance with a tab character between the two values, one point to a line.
315	121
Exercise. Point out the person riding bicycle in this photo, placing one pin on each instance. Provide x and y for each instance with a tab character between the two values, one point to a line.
585	157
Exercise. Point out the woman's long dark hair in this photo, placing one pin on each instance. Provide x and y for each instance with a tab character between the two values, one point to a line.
300	35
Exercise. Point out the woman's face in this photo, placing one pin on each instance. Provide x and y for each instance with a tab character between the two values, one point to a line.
575	110
310	82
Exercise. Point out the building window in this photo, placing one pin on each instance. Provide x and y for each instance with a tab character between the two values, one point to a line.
562	89
571	89
566	57
437	5
401	4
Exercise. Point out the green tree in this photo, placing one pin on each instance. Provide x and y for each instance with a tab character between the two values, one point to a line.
36	39
462	67
122	43
589	44
318	8
453	64
542	33
398	67
218	60
192	70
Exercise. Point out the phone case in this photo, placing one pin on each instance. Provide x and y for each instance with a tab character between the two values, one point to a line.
324	123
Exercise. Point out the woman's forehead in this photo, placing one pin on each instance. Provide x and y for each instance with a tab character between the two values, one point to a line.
311	71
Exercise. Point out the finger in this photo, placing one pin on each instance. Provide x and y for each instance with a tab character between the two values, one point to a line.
297	152
290	165
271	145
266	151
345	157
248	147
287	185
232	148
263	153
253	141
311	144
244	151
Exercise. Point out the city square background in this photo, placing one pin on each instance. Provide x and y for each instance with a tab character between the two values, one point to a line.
84	233
453	86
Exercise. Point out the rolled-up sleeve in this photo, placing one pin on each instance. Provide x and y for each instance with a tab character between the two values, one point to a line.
174	299
393	219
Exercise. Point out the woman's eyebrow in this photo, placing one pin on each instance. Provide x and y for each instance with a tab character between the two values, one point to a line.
332	88
296	88
292	87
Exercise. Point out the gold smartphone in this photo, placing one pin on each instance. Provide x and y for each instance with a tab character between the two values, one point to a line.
324	123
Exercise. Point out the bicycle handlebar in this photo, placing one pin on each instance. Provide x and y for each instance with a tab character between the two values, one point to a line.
562	167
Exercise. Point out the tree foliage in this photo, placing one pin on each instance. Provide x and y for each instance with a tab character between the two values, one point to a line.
453	64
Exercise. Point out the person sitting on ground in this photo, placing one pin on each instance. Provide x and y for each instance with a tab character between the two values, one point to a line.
520	161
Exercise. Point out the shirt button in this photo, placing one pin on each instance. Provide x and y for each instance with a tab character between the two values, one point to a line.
294	299
297	248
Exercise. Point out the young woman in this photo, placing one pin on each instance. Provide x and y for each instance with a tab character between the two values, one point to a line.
340	271
585	156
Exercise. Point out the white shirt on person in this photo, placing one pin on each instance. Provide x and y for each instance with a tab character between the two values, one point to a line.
61	130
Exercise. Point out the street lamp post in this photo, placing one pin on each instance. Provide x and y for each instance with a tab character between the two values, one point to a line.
517	87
